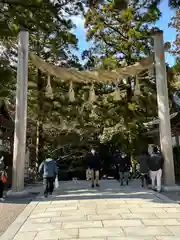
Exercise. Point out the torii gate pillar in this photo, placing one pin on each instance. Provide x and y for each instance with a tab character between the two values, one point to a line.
21	113
163	109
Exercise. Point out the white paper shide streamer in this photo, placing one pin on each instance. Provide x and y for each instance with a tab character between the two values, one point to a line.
56	184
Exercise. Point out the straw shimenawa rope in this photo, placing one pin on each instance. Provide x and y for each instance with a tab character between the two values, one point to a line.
70	74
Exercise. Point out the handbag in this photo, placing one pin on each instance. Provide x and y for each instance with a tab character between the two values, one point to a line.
56	184
3	177
88	174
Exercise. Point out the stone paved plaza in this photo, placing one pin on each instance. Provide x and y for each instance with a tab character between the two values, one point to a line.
76	211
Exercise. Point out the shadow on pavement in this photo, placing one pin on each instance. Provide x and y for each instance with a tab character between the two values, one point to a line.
20	199
109	189
29	194
81	190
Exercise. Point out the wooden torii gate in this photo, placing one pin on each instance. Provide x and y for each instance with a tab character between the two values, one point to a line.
67	74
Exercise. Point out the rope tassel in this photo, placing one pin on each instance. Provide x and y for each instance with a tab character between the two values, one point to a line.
137	90
117	96
49	92
92	95
71	93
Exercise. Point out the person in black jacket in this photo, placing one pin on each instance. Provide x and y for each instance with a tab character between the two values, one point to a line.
143	159
124	168
155	163
116	161
94	165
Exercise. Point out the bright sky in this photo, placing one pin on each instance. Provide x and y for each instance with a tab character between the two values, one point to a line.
169	33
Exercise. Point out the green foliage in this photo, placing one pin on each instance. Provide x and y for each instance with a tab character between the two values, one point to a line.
116	4
176	67
7	78
51	37
120	36
174	3
175	23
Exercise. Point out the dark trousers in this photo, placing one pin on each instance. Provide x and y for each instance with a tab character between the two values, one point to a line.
124	176
144	176
48	185
1	189
117	176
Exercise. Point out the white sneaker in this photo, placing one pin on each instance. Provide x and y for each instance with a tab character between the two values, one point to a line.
2	199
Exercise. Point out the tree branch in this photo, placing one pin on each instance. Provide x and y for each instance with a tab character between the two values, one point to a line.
111	45
115	30
20	3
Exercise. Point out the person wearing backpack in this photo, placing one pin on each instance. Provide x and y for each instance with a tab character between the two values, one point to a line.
48	169
3	177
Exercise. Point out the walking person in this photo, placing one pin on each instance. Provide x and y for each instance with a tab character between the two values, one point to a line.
116	161
94	165
155	163
48	169
124	168
3	177
144	168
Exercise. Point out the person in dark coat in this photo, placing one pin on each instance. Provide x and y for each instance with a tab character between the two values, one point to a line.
124	168
156	163
116	161
48	169
144	168
94	165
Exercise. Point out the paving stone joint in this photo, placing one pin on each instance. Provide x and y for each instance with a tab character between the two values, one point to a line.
75	211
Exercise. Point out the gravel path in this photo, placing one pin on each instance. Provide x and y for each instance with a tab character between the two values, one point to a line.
9	210
12	207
